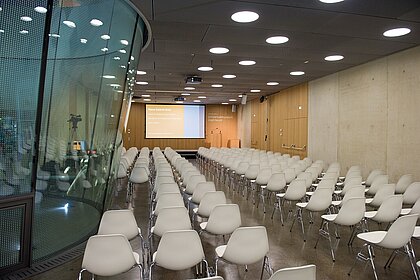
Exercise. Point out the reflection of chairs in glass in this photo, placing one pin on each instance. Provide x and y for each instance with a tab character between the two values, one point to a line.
305	272
246	245
179	250
109	255
398	236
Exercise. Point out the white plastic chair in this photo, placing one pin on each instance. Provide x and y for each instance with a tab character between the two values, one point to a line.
412	193
413	210
388	212
377	183
372	175
109	255
275	184
383	193
295	192
246	245
306	272
224	219
207	203
403	183
398	236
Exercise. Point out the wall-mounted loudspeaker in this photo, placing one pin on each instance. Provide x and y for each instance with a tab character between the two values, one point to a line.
262	99
243	100
233	108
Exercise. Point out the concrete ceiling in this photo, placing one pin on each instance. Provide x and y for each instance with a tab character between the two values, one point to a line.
184	31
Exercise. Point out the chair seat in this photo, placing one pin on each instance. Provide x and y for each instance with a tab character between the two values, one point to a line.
302	204
252	180
136	257
369	200
203	225
405	211
220	250
263	186
280	195
416	233
316	185
336	202
329	217
309	193
370	214
373	237
338	192
195	210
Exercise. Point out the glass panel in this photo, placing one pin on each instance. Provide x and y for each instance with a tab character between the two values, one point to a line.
11	227
88	59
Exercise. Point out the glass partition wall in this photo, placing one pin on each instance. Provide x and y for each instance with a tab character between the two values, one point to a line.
67	70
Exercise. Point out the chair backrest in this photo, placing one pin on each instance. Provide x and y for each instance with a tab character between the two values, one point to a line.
242	167
209	201
383	193
119	222
201	189
276	167
139	175
354	168
166	188
289	174
306	272
390	209
252	171
400	232
224	219
296	190
193	182
351	212
327	183
162	180
263	176
172	218
377	183
372	175
354	191
168	200
353	180
108	255
179	250
403	183
307	176
412	193
320	200
277	182
247	245
416	207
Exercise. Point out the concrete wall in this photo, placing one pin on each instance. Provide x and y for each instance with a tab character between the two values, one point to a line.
244	125
369	115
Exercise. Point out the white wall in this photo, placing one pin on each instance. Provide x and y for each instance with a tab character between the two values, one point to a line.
244	125
369	115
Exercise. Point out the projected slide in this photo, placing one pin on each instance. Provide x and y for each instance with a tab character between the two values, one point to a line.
175	121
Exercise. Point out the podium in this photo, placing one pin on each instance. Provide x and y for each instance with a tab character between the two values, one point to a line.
216	139
234	143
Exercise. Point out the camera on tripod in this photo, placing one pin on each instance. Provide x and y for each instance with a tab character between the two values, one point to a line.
74	120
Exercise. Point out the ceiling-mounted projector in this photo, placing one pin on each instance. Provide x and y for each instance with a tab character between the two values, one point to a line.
193	80
179	98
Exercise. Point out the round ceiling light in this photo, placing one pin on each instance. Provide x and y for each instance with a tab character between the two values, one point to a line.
24	32
145	95
297	73
122	51
105	37
205	68
69	23
124	42
217	85
335	57
255	90
104	49
245	16
396	32
147	99
139	72
142	83
229	76
219	50
25	18
232	100
202	97
275	40
96	22
185	94
331	1
197	101
40	10
179	102
240	95
247	62
225	103
83	40
108	76
272	83
189	88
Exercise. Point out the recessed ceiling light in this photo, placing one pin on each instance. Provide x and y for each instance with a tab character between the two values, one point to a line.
96	22
277	40
229	76
197	101
132	57
185	94
334	57
306	61
205	68
232	100
133	101
255	90
202	97
83	40
104	49
40	10
122	66
240	95
54	35
124	42
122	51
189	88
139	72
114	85
272	83
69	23
105	37
297	73
147	99
116	58
108	76
247	62
225	103
142	83
245	16
145	95
25	18
217	85
331	1
219	50
1	31
179	102
396	32
24	32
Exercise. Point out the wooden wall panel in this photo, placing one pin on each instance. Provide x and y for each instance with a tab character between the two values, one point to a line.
219	119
